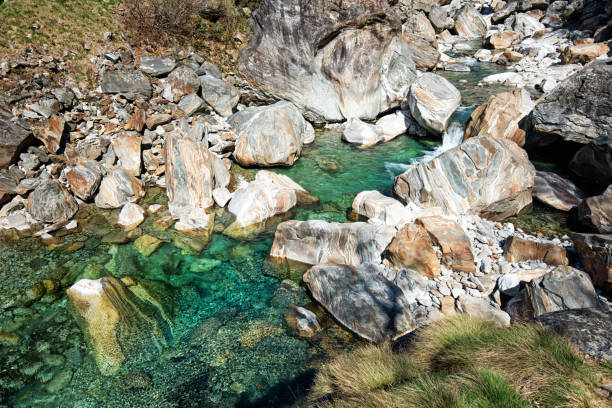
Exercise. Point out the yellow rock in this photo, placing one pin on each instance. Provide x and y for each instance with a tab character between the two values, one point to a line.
146	245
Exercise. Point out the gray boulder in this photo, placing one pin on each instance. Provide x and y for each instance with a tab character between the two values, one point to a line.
270	135
562	288
130	83
588	329
13	139
487	176
433	100
51	203
592	164
362	300
555	191
221	96
319	242
347	63
157	66
595	252
578	110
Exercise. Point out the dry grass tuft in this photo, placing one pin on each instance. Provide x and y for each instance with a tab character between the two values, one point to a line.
466	362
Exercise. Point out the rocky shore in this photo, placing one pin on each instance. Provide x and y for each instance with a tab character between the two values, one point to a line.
165	145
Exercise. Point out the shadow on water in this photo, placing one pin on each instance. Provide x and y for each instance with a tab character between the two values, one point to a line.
289	393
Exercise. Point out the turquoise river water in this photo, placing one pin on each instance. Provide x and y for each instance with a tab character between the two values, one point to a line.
230	344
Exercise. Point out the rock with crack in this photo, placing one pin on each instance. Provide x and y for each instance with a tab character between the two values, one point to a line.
318	242
432	101
517	249
121	319
127	147
270	135
117	188
412	249
349	63
362	300
189	175
555	191
221	96
13	139
561	289
595	252
452	240
500	115
51	203
130	83
486	176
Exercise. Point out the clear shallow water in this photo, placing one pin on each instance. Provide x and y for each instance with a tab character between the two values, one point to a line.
230	344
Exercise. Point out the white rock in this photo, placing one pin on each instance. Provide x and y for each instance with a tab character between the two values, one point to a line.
221	196
131	216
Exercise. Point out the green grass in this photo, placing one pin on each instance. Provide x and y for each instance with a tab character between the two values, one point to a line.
464	362
63	25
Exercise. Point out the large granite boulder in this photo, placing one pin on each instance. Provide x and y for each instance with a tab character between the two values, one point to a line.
121	319
555	191
348	62
318	242
590	330
517	249
593	214
13	139
51	203
270	135
562	288
117	188
578	109
592	164
433	100
189	175
221	96
362	300
268	195
486	176
595	252
500	116
130	83
412	249
453	242
469	23
421	43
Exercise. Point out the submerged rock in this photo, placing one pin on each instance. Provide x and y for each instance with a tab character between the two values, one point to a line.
319	242
349	63
433	100
517	249
500	115
362	300
122	319
51	203
555	191
485	176
270	135
595	252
